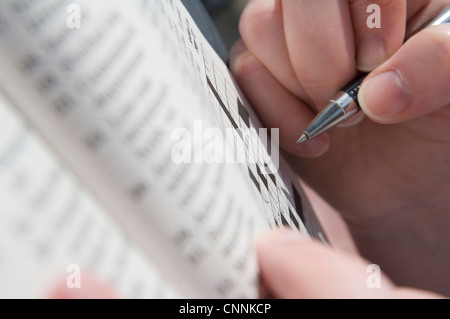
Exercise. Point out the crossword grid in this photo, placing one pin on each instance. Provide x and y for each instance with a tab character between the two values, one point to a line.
279	205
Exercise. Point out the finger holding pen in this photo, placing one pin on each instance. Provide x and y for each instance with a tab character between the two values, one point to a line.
313	48
309	49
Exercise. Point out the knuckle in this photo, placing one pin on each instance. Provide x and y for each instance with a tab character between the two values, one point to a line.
257	20
329	77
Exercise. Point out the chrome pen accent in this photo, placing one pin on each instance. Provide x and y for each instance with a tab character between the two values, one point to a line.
341	108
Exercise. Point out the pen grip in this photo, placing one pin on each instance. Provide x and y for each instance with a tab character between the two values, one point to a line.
353	88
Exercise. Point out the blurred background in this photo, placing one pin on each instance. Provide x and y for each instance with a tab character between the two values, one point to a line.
225	14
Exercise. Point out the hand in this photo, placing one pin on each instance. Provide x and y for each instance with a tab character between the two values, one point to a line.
294	267
389	176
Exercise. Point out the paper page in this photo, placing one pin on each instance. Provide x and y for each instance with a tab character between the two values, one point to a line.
113	97
50	227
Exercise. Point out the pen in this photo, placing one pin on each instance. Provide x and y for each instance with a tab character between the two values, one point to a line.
345	104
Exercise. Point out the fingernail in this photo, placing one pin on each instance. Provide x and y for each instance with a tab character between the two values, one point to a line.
236	52
371	53
384	96
238	48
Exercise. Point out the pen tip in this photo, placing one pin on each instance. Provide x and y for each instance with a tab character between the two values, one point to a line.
302	139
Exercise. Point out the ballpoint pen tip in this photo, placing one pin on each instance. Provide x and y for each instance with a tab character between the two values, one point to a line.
302	139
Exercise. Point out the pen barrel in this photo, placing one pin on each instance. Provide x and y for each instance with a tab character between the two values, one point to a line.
444	17
353	88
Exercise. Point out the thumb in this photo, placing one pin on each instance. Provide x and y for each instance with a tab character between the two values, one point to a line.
295	267
414	82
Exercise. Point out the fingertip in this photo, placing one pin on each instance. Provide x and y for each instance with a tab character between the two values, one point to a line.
89	288
274	249
278	243
384	97
279	236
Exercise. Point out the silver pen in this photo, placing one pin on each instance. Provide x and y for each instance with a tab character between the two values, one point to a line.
345	103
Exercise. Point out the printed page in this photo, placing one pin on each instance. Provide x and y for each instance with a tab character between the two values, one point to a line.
133	99
52	233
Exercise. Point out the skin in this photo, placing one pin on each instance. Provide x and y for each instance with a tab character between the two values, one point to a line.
327	274
91	288
388	173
